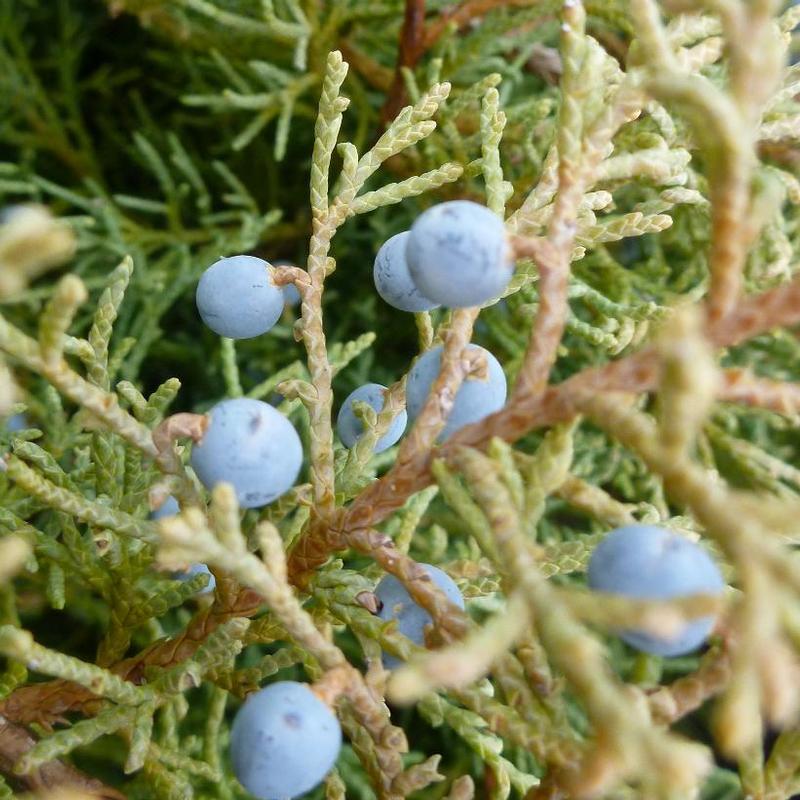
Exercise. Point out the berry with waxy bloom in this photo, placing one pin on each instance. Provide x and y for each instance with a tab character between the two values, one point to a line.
397	604
350	427
476	398
393	279
237	298
651	563
252	446
284	741
458	254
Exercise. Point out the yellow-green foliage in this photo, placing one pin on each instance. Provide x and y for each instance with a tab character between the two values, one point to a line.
644	158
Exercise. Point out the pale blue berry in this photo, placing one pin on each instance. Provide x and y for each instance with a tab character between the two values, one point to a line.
458	254
291	295
252	446
393	280
169	508
284	741
396	604
476	398
651	563
237	298
14	424
17	422
350	426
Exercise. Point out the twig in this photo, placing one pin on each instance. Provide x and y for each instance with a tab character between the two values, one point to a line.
410	50
15	741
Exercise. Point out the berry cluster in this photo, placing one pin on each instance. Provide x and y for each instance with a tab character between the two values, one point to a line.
456	254
285	738
248	444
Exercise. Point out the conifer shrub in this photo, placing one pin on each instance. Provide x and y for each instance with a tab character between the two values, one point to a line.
410	603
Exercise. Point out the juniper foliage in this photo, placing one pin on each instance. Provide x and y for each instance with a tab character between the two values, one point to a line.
644	159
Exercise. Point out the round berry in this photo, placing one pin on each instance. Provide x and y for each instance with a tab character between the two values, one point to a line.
291	295
169	508
476	397
397	604
393	280
651	563
284	741
14	424
17	422
252	446
350	426
458	254
237	298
